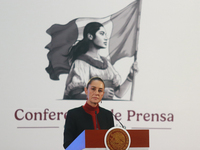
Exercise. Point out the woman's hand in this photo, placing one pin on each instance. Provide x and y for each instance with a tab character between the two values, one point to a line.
116	80
109	93
134	68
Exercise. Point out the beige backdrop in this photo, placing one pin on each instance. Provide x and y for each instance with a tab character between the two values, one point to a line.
168	81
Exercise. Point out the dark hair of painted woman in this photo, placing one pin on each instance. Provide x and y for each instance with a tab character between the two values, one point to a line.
83	46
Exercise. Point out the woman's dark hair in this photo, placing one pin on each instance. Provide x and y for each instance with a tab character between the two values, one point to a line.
83	46
94	78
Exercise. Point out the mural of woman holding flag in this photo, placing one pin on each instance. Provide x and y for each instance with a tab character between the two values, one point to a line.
74	49
87	63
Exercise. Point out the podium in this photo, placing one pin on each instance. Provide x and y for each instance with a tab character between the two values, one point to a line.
94	140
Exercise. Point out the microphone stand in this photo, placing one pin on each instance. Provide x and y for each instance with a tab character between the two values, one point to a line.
119	122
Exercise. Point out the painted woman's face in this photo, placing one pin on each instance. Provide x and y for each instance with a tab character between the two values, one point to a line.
101	38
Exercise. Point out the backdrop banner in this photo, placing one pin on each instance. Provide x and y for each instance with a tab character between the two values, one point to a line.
38	79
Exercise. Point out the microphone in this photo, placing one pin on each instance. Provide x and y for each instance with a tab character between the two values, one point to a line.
119	122
96	120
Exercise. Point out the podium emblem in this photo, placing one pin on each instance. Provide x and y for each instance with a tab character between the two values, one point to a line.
117	138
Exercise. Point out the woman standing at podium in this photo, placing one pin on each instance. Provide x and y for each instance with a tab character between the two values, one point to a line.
90	116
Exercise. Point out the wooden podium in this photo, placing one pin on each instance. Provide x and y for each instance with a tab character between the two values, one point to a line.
94	140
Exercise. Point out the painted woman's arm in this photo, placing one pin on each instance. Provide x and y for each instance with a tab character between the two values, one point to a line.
121	91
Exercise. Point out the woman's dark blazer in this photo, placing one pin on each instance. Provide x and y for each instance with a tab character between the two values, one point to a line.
78	120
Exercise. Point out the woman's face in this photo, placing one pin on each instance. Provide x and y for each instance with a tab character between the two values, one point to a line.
94	92
101	38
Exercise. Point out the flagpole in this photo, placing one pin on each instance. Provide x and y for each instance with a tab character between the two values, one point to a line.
136	47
